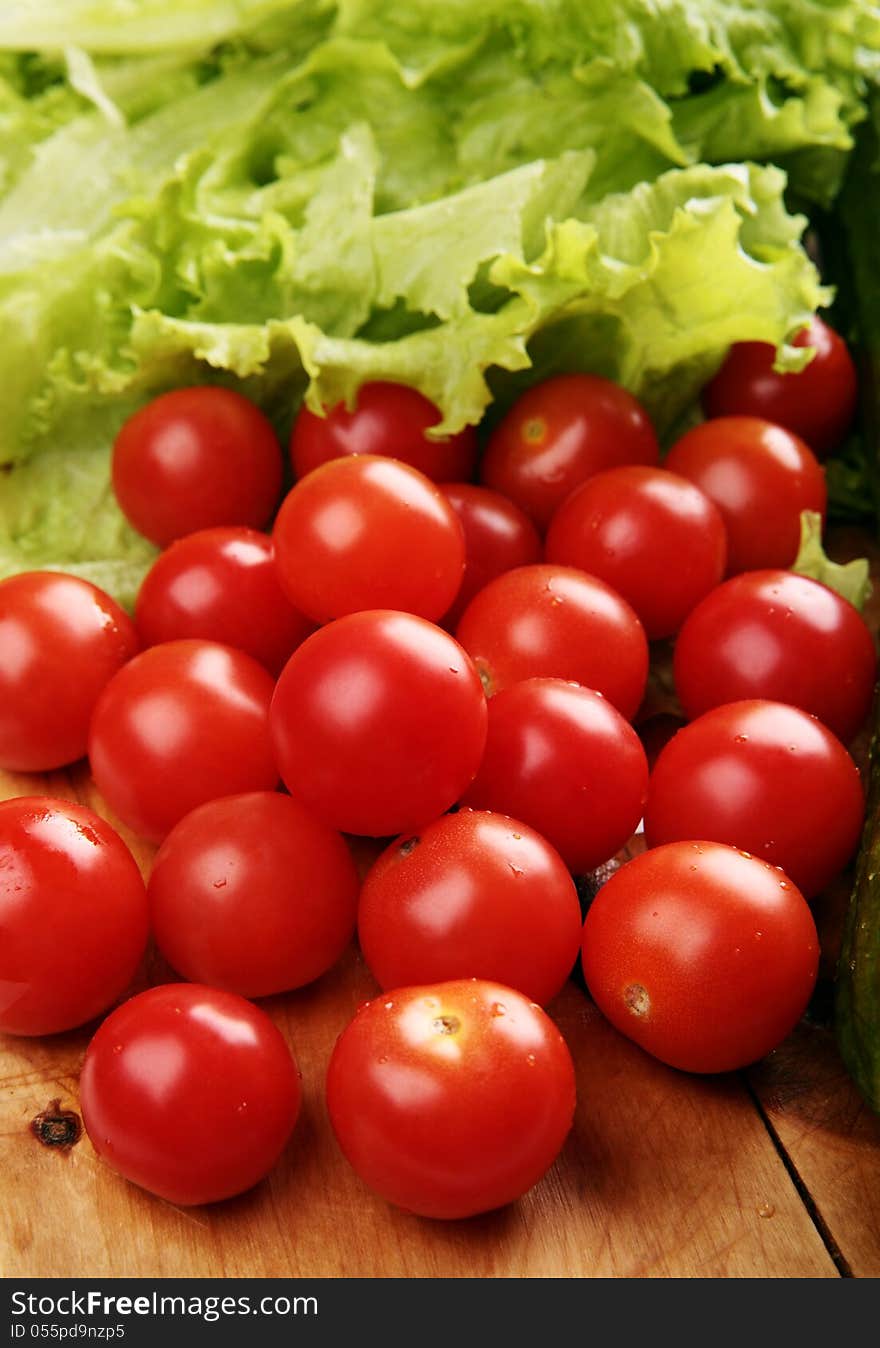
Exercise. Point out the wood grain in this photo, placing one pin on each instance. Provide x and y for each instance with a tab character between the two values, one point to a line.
664	1175
831	1139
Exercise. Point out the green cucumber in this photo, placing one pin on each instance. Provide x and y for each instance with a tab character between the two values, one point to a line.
857	1000
857	1010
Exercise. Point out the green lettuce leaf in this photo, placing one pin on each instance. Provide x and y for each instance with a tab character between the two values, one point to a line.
852	579
294	198
57	511
118	26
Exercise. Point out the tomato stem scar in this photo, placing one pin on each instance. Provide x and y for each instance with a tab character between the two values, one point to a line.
446	1025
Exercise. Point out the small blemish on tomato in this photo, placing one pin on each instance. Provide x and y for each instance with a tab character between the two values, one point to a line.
485	678
636	999
534	430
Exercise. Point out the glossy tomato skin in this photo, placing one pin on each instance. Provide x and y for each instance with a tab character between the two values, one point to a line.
388	419
818	403
379	723
706	957
73	912
189	1092
183	723
251	893
552	621
221	585
451	1099
473	895
760	477
561	759
498	536
364	532
559	433
778	635
652	536
195	458
764	777
61	641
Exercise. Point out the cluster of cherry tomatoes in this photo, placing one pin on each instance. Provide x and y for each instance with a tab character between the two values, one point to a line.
404	643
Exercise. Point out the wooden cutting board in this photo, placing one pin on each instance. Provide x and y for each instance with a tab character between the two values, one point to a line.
773	1173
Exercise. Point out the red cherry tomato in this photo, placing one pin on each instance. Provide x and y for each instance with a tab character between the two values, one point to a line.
560	758
388	419
73	914
777	635
653	537
559	433
189	1092
61	641
183	723
473	895
221	585
760	477
451	1099
253	894
195	458
555	622
365	533
704	956
818	403
764	777
379	723
498	536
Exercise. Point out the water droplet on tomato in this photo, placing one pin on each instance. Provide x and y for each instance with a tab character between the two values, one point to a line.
499	1009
